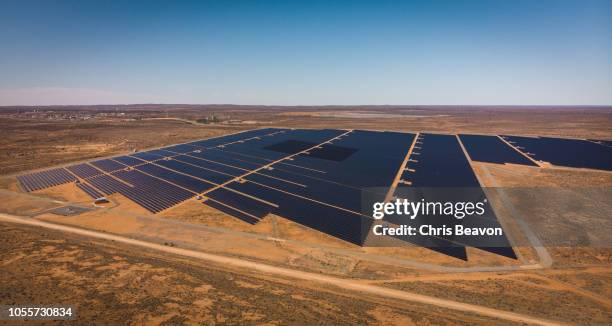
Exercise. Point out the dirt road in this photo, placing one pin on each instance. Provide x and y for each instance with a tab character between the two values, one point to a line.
285	272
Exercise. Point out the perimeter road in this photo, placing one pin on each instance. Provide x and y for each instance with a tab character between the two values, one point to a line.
285	272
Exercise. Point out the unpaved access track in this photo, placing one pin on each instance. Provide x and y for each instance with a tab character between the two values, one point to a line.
354	285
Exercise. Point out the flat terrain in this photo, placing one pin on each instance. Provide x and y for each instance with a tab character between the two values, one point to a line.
123	283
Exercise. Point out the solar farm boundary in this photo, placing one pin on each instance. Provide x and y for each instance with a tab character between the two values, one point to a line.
502	221
337	282
539	164
400	171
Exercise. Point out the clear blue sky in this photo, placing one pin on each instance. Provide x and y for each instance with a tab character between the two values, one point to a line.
306	52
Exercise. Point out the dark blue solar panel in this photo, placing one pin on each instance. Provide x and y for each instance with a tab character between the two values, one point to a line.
93	193
84	170
339	223
107	184
237	166
320	190
128	160
180	149
211	165
240	156
108	165
240	202
182	180
148	156
440	163
152	193
376	163
493	150
575	153
45	179
258	148
220	157
207	143
199	172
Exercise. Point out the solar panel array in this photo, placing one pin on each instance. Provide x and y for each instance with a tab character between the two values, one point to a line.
91	191
45	179
317	178
576	153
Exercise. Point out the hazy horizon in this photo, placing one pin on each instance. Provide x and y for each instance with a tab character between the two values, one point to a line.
314	53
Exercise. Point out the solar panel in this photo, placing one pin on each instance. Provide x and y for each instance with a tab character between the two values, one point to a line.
93	193
492	149
108	165
240	202
576	153
84	170
45	179
128	160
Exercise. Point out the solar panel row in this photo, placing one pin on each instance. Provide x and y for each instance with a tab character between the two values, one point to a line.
492	149
93	193
151	193
84	170
200	169
148	156
576	153
229	159
108	165
253	207
45	179
182	180
351	227
203	161
128	160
